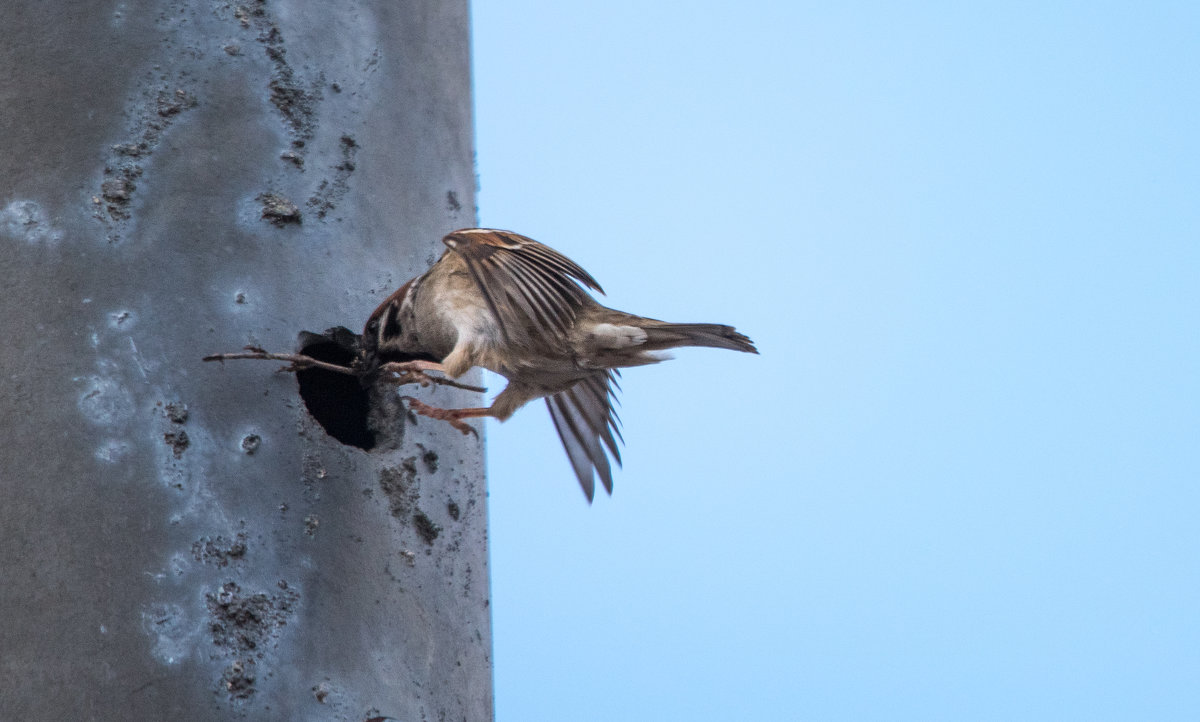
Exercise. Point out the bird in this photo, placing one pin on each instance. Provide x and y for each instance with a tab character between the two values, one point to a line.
514	306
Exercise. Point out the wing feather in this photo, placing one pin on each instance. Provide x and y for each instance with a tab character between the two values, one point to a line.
540	297
535	293
533	290
587	424
574	441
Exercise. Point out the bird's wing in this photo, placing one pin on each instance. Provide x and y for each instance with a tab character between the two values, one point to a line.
533	290
584	417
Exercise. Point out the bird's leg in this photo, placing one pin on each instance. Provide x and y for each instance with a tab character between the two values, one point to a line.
413	372
454	417
417	365
513	397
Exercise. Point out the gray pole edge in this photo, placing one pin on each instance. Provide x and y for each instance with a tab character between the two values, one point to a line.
180	540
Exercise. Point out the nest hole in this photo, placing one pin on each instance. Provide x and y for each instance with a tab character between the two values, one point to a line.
338	402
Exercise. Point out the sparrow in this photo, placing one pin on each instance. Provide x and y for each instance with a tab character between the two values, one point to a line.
507	303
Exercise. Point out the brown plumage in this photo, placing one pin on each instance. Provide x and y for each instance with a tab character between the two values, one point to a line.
507	303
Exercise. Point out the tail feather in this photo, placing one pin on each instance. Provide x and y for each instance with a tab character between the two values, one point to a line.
715	335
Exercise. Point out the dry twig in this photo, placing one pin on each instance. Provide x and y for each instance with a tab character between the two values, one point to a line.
411	372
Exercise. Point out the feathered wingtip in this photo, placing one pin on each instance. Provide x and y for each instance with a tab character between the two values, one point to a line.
589	429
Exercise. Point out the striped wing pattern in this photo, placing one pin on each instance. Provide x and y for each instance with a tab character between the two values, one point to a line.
533	290
588	425
535	293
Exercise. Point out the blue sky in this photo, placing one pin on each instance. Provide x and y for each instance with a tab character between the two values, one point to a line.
962	481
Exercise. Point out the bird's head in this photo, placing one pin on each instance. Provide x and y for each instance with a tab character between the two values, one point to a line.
383	333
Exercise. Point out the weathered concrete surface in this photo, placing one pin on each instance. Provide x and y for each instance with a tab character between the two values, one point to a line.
178	539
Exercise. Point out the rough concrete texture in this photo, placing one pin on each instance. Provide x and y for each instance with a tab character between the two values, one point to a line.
179	540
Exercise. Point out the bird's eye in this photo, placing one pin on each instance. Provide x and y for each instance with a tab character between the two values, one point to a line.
391	327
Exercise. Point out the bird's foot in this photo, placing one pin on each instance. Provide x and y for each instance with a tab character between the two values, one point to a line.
414	372
411	372
454	417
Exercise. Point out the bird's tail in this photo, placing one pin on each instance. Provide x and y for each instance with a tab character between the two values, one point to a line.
661	335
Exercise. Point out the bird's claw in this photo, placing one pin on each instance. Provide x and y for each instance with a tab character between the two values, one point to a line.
406	375
450	416
414	372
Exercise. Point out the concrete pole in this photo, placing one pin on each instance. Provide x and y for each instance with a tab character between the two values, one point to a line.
180	540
